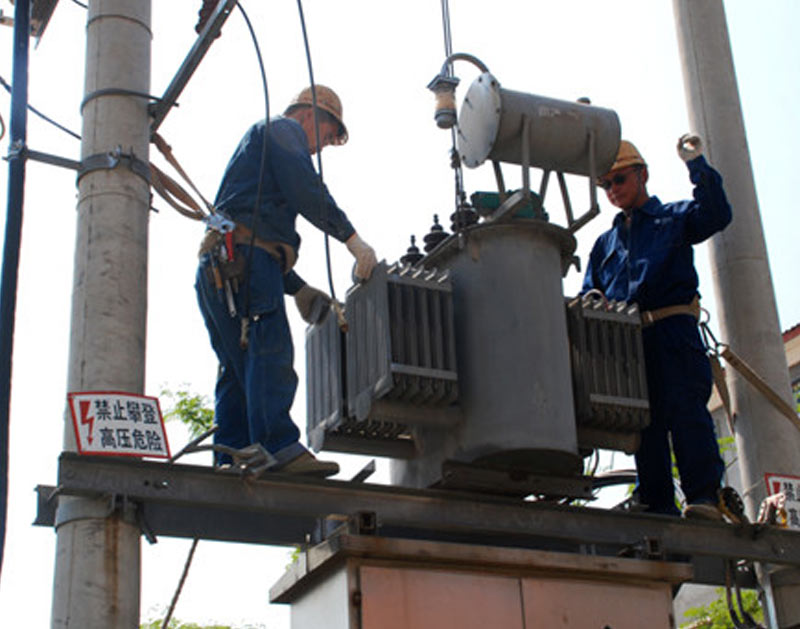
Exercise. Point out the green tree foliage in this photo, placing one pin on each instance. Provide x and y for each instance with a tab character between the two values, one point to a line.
174	623
177	624
193	410
715	615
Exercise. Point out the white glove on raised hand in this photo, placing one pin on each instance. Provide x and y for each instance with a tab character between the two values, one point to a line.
690	146
364	255
312	303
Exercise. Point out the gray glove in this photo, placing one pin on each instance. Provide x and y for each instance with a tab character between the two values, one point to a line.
690	146
364	255
312	303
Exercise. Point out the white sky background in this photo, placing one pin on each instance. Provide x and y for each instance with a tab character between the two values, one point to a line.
390	178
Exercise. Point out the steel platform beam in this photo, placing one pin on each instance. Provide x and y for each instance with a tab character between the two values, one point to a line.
198	502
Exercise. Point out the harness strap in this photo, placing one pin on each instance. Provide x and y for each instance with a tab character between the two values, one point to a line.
649	317
173	193
282	252
761	385
166	151
718	374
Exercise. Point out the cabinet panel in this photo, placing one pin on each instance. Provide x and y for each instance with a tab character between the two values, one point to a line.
436	599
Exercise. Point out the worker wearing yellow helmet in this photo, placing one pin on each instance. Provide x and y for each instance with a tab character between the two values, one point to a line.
646	258
269	180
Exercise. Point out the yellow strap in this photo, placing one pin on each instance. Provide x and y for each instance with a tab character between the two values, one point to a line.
718	373
172	192
166	151
649	317
760	384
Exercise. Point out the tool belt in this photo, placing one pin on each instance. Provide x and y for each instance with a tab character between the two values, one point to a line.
283	253
649	317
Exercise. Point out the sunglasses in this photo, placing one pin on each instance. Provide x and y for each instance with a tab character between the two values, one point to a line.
617	180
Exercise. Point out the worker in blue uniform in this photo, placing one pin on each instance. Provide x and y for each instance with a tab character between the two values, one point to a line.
263	189
646	258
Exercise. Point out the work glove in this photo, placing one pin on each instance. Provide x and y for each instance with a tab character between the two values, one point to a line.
364	255
312	304
690	146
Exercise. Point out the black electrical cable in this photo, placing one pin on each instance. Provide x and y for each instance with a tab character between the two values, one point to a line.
40	114
319	148
262	165
80	4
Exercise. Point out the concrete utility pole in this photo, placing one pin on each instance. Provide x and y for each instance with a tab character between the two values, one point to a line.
765	440
97	553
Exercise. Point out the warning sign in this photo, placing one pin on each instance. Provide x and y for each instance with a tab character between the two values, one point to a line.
790	487
118	424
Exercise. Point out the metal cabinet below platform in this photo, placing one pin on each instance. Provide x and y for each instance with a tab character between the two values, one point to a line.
351	582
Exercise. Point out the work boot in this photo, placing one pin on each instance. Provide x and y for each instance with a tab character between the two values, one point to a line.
307	465
703	511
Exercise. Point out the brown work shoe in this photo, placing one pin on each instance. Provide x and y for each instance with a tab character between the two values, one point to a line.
307	464
703	511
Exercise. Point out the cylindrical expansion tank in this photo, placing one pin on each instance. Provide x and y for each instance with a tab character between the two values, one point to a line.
512	354
490	125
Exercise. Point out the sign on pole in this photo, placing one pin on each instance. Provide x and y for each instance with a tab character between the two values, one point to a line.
118	424
790	487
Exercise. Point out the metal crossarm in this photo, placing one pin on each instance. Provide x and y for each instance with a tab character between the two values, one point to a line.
193	501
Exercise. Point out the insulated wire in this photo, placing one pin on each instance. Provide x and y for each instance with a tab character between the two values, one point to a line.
40	114
448	50
262	165
319	148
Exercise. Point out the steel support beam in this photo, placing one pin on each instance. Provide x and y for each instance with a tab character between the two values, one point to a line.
160	109
192	501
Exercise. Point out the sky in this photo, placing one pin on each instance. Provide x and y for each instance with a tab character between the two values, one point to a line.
391	178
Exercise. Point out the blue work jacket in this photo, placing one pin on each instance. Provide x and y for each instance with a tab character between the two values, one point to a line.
290	186
651	261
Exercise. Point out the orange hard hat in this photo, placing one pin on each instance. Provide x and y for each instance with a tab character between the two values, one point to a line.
627	155
327	100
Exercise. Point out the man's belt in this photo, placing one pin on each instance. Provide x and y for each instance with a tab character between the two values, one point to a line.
283	253
242	235
649	317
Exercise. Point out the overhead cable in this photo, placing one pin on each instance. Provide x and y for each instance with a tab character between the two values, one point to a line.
262	166
323	204
40	114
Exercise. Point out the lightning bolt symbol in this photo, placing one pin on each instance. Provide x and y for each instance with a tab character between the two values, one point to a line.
85	418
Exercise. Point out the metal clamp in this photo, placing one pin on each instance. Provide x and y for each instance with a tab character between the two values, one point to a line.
111	159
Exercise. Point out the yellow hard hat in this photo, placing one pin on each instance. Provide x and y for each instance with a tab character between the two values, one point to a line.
627	155
327	100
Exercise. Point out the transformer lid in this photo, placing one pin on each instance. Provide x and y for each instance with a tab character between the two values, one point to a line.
479	120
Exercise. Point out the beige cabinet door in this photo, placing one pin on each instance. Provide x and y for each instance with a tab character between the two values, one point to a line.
430	599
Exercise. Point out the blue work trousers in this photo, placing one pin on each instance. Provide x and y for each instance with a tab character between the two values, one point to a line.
679	385
255	386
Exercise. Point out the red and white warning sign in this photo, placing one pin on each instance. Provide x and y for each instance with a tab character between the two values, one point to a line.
790	487
118	424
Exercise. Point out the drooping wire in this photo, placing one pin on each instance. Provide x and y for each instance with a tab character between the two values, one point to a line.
324	205
81	4
40	114
455	161
263	163
261	168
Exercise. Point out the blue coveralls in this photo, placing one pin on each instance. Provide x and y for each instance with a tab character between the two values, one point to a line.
255	387
651	263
